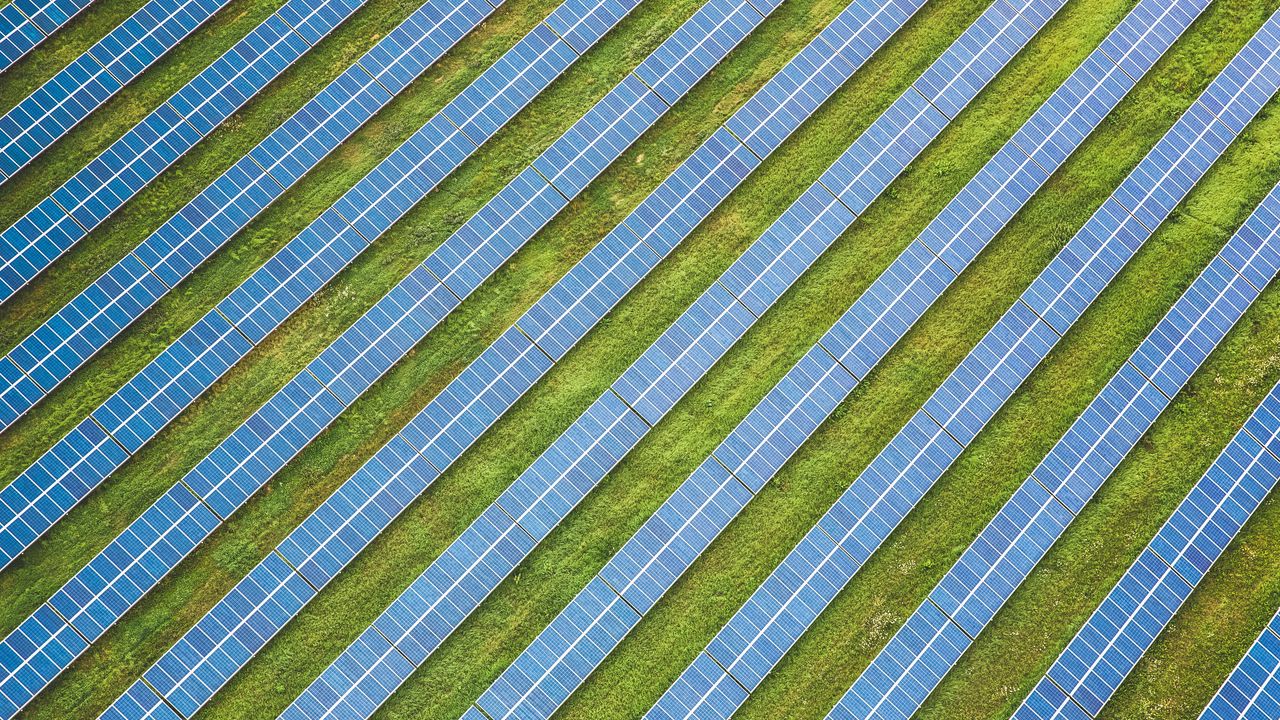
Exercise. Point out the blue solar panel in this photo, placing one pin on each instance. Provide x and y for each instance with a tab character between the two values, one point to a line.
777	426
583	22
1143	602
884	150
674	536
575	463
1252	691
972	60
140	703
696	46
592	143
349	519
704	689
365	505
989	374
895	300
18	35
562	656
792	95
228	635
221	209
915	660
437	601
491	236
757	636
683	353
77	90
279	287
787	248
1092	258
97	595
1141	39
32	654
543	495
1008	548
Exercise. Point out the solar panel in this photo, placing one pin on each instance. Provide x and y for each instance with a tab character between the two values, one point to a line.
1252	690
362	507
1145	599
305	406
80	88
302	266
24	24
91	320
670	540
1006	551
757	637
468	570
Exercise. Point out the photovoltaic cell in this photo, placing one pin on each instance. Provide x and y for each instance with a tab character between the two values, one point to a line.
761	632
648	564
366	504
1252	691
566	471
64	342
81	87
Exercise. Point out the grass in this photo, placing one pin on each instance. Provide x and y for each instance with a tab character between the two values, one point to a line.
1014	651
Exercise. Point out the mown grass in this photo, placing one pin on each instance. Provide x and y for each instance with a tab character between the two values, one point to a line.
863	617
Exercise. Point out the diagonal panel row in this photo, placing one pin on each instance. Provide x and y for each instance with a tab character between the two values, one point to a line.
1252	690
190	673
167	385
903	674
215	487
156	142
1126	623
562	656
831	554
25	24
368	672
192	235
80	88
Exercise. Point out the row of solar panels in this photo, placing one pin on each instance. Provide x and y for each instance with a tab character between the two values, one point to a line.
981	581
773	618
828	556
170	382
536	683
80	88
365	504
345	541
26	23
487	551
1142	603
100	593
138	157
169	255
1252	690
744	295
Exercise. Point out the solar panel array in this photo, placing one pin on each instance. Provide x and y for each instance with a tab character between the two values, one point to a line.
826	559
153	397
169	255
903	674
78	89
362	678
116	578
155	143
200	663
1096	661
1252	690
26	23
582	635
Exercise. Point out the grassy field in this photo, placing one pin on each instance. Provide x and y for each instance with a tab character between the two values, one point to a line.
1181	672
